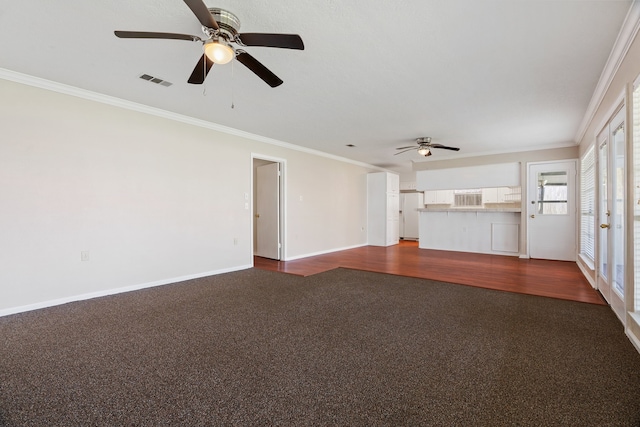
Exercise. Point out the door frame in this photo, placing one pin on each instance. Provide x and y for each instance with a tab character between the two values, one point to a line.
283	198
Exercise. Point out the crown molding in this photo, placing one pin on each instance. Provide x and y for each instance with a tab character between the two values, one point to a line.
129	105
623	42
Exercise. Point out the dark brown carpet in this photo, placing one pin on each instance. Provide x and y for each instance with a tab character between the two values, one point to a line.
340	348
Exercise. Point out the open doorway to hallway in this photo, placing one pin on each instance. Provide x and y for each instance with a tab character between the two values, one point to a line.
268	211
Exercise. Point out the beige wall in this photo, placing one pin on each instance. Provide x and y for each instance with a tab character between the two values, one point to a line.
152	200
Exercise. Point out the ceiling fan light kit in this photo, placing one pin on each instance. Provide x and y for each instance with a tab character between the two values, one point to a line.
424	151
424	146
219	53
221	30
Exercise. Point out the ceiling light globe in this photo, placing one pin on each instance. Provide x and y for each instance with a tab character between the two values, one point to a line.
218	52
424	151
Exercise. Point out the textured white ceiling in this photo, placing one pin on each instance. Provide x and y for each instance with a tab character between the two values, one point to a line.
484	75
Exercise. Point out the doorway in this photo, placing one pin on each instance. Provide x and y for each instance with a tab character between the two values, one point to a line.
611	213
551	210
268	218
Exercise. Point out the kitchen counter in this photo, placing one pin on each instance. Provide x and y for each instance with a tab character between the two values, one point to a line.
490	230
470	210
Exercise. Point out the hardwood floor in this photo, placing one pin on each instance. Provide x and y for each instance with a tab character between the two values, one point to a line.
556	279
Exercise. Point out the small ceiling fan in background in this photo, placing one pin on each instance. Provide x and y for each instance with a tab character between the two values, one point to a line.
424	147
220	28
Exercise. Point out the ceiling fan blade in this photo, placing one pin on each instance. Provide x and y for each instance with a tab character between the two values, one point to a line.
199	72
151	35
202	13
258	69
409	149
444	147
286	41
404	148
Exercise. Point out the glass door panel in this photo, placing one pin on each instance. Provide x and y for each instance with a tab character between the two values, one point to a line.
617	219
603	212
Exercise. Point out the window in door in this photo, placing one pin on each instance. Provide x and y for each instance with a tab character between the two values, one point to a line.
552	193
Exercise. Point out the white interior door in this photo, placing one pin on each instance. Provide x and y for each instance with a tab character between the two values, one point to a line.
552	210
410	215
402	216
611	213
267	211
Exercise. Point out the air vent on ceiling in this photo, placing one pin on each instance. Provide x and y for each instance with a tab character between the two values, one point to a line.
155	80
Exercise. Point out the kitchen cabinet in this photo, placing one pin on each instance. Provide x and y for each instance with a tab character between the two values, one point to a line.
490	195
501	195
438	197
407	185
383	209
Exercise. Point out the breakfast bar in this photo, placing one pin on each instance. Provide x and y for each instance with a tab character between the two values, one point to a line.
481	230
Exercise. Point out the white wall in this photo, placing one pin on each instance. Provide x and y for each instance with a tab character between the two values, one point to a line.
153	200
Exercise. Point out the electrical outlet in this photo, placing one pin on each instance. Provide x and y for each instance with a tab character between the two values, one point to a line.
84	255
235	241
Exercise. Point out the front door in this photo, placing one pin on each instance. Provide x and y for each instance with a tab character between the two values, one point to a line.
551	210
611	213
267	211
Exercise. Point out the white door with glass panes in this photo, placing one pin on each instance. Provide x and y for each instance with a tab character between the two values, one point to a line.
611	213
551	210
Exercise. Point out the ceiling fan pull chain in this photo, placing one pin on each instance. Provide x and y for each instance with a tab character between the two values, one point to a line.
204	86
232	106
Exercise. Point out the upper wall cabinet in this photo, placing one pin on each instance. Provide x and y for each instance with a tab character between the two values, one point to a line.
438	197
406	185
501	195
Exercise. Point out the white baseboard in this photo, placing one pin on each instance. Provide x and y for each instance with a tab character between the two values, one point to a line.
586	274
81	297
323	252
635	340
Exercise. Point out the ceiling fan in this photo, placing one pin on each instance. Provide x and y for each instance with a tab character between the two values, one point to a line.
220	28
424	147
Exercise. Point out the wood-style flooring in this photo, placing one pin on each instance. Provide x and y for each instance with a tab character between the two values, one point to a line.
556	279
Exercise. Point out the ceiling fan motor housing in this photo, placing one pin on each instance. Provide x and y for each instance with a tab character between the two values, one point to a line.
228	22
